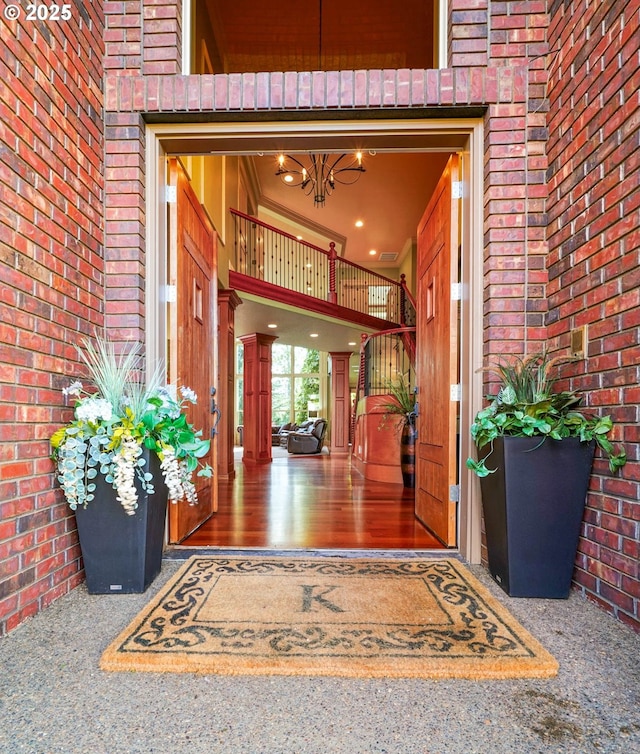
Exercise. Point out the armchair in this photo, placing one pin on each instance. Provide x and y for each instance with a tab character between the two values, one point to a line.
308	440
284	431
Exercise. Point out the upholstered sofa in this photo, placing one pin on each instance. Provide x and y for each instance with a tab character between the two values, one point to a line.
283	433
309	438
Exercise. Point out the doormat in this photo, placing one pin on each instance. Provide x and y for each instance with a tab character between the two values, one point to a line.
328	616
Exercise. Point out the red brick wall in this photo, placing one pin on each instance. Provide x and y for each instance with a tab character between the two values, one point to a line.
515	180
125	220
469	33
143	36
51	270
594	264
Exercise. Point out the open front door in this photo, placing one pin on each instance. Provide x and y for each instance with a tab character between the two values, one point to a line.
437	360
192	329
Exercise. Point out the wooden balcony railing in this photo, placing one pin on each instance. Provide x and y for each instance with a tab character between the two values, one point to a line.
268	254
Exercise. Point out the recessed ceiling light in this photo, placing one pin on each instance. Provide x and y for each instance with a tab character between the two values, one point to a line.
359	223
373	252
288	179
299	238
351	343
272	326
313	335
309	265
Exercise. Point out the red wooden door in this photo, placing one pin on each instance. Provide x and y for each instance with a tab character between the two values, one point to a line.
437	360
192	330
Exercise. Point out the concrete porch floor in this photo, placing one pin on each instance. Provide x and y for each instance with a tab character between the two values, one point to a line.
55	700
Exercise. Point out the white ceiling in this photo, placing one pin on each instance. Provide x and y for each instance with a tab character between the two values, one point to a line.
294	327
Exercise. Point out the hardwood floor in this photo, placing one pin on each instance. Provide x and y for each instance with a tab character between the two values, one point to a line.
311	502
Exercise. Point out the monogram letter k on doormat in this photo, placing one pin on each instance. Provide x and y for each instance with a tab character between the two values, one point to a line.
328	616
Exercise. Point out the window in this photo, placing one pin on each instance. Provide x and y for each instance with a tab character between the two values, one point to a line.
247	36
295	384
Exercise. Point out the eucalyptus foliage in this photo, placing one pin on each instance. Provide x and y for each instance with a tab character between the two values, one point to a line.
527	406
112	424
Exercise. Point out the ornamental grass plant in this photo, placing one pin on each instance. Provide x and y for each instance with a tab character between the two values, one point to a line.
402	403
526	405
115	419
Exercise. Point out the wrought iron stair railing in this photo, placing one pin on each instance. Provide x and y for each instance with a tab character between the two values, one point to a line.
385	357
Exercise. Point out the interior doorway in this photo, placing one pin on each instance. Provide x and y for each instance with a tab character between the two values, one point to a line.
464	136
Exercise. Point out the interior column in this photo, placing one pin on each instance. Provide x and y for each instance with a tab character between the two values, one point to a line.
257	398
228	302
340	403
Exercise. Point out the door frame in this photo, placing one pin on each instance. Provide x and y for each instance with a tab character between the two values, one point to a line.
410	135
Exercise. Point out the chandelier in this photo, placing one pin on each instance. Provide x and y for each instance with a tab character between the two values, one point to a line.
320	176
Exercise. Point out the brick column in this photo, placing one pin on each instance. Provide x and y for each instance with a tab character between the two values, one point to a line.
228	302
162	37
143	37
468	27
125	226
123	37
340	403
257	398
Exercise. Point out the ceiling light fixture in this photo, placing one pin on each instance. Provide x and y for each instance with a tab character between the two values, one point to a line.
313	335
322	173
359	223
272	326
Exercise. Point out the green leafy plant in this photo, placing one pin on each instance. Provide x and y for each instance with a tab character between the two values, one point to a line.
527	406
403	401
113	423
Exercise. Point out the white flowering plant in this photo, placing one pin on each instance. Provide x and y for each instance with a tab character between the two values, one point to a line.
113	424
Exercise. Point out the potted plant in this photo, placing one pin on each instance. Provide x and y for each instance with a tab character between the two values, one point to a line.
535	475
128	448
403	403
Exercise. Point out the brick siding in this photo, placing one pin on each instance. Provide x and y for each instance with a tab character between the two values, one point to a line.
469	35
124	254
559	152
51	269
594	265
143	36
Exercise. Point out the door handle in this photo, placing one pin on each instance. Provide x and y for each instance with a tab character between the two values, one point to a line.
216	412
214	428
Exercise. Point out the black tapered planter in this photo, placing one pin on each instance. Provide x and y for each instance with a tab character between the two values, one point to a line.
533	507
408	454
122	554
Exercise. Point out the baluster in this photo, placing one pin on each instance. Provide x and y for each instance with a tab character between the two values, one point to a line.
333	296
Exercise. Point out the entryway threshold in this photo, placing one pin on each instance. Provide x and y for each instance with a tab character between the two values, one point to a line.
179	552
